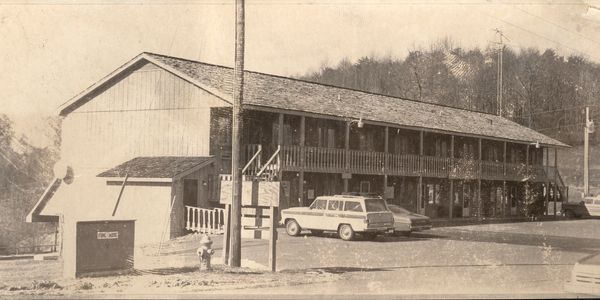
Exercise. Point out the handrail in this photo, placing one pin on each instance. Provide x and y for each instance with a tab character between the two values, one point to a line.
252	159
269	161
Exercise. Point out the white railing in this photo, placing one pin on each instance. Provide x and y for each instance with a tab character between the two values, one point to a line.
205	220
272	165
254	162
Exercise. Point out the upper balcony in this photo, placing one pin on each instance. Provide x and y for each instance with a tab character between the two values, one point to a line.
335	160
337	145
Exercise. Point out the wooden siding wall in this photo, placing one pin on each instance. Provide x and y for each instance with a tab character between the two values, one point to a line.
148	112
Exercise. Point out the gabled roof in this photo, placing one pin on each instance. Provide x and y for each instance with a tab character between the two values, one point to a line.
158	167
282	93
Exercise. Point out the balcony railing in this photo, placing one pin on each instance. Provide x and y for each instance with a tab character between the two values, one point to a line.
492	170
315	159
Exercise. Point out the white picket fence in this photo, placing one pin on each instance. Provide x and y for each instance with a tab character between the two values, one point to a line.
205	220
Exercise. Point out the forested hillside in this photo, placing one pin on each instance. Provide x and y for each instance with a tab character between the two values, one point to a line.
541	90
25	171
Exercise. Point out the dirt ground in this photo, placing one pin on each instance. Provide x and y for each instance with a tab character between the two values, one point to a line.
42	278
174	271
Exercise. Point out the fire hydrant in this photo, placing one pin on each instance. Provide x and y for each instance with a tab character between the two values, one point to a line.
205	252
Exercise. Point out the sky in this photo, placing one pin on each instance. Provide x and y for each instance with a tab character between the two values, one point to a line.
52	50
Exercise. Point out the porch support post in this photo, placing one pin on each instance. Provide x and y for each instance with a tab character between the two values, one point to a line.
302	161
527	186
555	160
385	149
302	141
504	161
479	200
451	202
385	159
547	158
347	154
451	198
547	198
505	206
555	183
280	143
420	184
527	160
301	188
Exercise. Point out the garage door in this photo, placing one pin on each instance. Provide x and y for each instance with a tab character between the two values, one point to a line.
104	246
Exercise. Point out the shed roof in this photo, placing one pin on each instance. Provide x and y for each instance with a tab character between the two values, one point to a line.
157	167
277	92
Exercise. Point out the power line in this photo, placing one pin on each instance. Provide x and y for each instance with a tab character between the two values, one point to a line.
558	25
537	34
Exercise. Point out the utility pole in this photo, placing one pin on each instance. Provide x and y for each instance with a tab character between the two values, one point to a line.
589	128
235	253
499	73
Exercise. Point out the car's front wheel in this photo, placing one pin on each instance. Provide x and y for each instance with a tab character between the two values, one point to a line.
346	232
292	228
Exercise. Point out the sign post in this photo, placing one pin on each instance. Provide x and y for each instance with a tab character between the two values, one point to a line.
273	239
256	197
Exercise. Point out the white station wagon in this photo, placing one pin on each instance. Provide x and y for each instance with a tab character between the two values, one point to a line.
346	215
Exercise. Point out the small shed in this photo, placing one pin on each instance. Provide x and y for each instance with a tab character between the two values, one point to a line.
104	246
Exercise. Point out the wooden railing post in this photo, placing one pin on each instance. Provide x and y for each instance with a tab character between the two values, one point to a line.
302	142
385	152
504	161
479	202
187	220
347	146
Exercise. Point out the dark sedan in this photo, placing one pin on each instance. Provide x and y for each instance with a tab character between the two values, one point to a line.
406	221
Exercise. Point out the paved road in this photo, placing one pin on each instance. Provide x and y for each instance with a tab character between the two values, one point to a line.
528	259
532	259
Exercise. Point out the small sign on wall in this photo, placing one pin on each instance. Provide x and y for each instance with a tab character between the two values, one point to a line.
107	235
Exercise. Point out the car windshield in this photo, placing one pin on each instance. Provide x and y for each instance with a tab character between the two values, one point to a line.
398	209
375	205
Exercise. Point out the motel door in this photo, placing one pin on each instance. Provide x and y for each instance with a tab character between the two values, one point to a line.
513	201
467	199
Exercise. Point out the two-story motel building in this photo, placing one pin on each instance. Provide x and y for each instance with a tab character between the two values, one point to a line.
165	123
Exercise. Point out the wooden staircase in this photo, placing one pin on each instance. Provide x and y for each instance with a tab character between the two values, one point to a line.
269	171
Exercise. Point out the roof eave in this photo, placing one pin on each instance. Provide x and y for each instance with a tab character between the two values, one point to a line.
71	105
34	214
408	127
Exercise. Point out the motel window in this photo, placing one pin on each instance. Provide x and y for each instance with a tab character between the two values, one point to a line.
334	205
401	145
492	154
319	204
353	206
441	148
433	193
515	156
468	151
365	186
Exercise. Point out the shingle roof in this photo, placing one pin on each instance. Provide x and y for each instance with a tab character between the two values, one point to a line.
155	167
272	91
291	94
